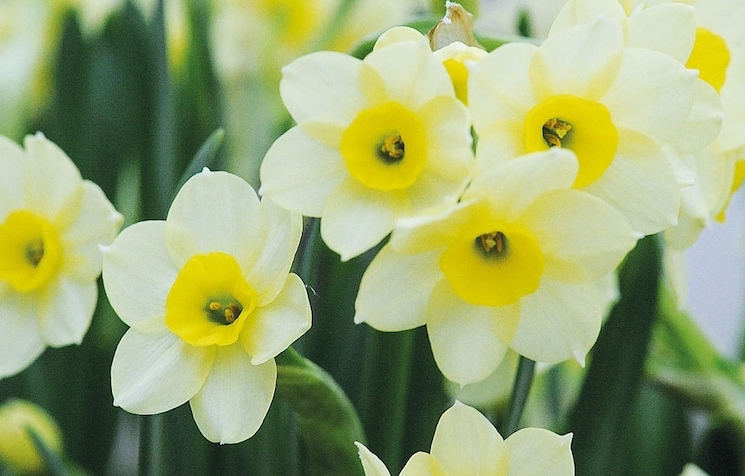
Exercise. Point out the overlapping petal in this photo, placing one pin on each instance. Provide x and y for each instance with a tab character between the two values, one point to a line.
371	464
554	450
300	173
468	342
271	329
232	403
138	273
66	311
154	373
407	282
20	341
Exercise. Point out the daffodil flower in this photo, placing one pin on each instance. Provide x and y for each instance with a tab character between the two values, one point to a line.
377	140
17	449
52	223
466	443
513	265
582	89
210	302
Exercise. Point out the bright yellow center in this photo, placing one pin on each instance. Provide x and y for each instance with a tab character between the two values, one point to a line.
30	251
459	76
384	148
210	300
710	56
294	21
495	267
585	127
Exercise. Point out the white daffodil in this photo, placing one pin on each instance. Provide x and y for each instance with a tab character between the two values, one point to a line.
209	302
582	90
514	265
377	140
52	223
466	443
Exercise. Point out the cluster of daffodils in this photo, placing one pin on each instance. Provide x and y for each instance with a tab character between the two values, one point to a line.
508	244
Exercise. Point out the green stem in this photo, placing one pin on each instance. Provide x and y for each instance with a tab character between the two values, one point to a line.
520	391
151	445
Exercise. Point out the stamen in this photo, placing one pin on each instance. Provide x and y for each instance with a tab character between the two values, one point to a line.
493	243
225	312
554	131
392	148
35	253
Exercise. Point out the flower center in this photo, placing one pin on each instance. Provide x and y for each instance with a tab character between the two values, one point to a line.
711	57
209	301
32	251
585	127
496	268
384	148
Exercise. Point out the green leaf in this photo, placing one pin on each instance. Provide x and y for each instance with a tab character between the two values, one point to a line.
328	423
52	460
617	363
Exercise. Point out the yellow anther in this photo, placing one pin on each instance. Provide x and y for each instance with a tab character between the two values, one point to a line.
215	306
392	148
554	130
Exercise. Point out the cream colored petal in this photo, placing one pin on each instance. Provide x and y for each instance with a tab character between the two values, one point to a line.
512	187
448	129
433	191
465	442
535	451
20	340
581	60
357	218
235	398
52	182
468	342
96	224
269	272
704	123
499	87
423	464
398	34
669	28
641	184
137	275
656	103
578	12
411	74
558	322
272	328
437	229
396	288
299	173
371	464
733	101
581	237
322	86
215	211
11	180
65	311
154	373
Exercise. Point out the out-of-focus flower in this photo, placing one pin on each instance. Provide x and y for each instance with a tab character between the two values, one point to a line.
513	265
692	470
466	443
210	302
17	450
377	140
581	90
52	223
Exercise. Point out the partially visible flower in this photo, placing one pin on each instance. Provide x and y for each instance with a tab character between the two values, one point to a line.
514	265
17	450
52	223
466	443
581	89
692	470
377	140
210	302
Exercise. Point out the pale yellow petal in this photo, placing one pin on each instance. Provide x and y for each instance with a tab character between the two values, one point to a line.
154	373
299	173
465	442
535	451
65	310
231	405
20	340
272	328
406	281
371	464
578	12
669	28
